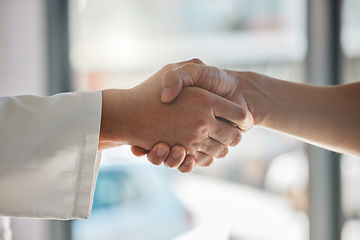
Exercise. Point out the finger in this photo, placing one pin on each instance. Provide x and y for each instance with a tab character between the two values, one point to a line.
188	165
194	61
212	148
176	157
213	79
158	153
203	160
138	151
233	112
225	132
175	79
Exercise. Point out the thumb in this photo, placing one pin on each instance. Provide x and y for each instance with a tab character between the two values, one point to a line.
171	87
174	80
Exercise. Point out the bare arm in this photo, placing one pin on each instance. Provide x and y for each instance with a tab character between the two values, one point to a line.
325	116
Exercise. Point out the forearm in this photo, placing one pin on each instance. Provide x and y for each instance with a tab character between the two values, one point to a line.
325	116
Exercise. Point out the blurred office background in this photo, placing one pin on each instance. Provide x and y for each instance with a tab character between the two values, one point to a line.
261	190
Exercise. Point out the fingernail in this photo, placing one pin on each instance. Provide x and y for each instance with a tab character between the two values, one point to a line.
166	94
177	153
187	163
161	150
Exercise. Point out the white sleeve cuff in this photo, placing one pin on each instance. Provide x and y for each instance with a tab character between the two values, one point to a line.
89	166
49	160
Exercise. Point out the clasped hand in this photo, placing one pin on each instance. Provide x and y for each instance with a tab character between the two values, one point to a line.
198	125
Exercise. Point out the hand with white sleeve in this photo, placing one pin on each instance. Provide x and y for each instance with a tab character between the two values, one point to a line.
136	117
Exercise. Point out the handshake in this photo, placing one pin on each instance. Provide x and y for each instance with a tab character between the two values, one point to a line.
187	114
173	123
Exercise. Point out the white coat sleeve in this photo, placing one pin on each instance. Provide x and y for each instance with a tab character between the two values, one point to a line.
48	154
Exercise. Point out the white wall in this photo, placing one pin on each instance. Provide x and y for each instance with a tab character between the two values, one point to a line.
23	71
22	47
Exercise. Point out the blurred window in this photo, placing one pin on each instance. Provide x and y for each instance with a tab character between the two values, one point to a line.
350	165
119	44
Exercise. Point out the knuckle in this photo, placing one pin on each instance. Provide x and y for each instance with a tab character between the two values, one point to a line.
192	150
200	127
168	66
242	114
203	131
236	139
189	66
169	74
246	114
197	61
191	140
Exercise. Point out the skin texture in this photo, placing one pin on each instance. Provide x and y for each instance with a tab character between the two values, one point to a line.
185	164
182	75
325	116
136	117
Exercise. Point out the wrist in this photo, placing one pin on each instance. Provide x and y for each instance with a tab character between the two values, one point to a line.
114	125
251	86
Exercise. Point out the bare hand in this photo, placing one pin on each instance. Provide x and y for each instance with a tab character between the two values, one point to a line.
221	82
194	73
190	121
